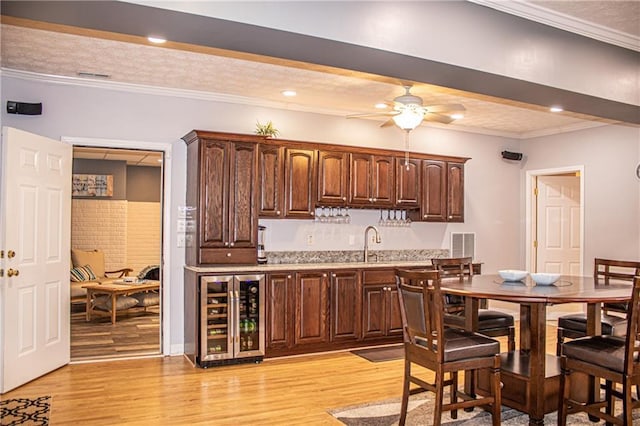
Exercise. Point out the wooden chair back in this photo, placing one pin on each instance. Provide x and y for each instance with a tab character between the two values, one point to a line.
607	269
421	309
632	361
454	267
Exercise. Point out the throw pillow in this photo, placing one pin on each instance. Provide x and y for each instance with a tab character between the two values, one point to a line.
95	258
82	273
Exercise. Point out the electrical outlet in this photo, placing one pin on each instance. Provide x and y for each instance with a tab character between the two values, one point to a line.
310	239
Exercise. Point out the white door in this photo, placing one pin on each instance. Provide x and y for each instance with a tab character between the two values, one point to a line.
35	238
559	225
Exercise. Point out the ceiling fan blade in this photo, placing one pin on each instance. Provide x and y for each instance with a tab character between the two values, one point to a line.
372	114
388	123
438	118
445	108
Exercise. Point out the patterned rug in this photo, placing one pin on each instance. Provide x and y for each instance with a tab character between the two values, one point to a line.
25	411
386	413
385	353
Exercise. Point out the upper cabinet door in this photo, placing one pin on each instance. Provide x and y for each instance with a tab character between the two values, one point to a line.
372	180
300	183
333	173
408	182
360	188
271	177
455	192
434	191
214	189
243	190
383	181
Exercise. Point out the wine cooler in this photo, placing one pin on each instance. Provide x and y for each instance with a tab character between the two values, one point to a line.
231	319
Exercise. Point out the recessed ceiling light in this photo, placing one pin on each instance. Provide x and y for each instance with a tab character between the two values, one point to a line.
157	40
381	105
457	116
556	109
289	93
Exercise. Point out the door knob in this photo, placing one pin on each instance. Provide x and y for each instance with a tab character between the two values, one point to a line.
13	272
11	254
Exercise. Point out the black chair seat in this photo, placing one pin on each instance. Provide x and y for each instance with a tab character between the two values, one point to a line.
611	325
461	345
487	320
617	307
605	351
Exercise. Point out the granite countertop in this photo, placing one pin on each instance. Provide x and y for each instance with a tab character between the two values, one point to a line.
308	266
327	260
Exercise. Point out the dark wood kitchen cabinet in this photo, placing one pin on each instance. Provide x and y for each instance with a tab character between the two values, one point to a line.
408	173
455	192
271	178
380	305
442	191
372	180
280	310
346	306
300	183
222	186
333	176
311	297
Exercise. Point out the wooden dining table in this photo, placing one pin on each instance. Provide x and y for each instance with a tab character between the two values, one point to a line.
531	376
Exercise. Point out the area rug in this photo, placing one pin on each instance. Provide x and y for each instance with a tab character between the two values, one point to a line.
387	413
25	411
385	353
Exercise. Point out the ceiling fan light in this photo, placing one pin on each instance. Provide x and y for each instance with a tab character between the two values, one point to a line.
408	119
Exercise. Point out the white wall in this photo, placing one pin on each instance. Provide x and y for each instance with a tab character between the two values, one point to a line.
610	156
492	185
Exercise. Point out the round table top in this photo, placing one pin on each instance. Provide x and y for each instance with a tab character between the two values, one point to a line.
568	289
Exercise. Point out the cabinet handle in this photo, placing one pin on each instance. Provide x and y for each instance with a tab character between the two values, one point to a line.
425	216
333	275
450	217
312	213
226	244
344	198
289	276
228	254
278	212
371	200
324	275
231	244
375	199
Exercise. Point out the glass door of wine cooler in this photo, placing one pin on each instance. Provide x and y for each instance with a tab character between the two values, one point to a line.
250	333
217	318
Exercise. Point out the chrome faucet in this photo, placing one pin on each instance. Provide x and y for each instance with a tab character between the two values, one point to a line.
366	240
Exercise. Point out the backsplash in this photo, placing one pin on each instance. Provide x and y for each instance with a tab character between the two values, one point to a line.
345	256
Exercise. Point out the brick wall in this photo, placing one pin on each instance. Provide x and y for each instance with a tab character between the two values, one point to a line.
127	232
143	234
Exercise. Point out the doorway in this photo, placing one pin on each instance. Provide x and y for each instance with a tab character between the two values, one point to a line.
160	150
555	224
116	224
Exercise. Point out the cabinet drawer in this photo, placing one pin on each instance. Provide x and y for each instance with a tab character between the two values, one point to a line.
385	276
228	256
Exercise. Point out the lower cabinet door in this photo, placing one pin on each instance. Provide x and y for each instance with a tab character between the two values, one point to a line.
373	312
346	306
312	305
280	309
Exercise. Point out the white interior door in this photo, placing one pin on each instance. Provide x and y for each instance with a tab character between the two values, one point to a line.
35	238
558	225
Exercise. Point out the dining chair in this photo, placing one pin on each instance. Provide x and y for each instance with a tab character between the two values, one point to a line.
429	344
605	270
612	358
491	323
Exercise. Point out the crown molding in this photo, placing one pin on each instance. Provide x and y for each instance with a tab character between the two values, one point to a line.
244	100
559	20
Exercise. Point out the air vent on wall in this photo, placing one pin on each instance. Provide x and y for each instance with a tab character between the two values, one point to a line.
463	244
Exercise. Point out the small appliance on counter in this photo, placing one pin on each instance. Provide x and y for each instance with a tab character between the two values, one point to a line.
262	256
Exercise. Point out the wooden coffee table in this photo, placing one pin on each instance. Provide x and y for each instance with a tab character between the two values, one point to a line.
114	289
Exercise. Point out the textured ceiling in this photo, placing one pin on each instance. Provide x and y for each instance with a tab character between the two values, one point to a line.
260	82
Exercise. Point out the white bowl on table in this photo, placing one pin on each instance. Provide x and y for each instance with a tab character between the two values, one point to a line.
544	278
512	274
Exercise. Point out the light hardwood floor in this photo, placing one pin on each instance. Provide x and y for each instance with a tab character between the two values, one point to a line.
170	391
136	332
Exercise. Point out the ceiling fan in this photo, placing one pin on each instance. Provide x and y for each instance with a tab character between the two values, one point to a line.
408	112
